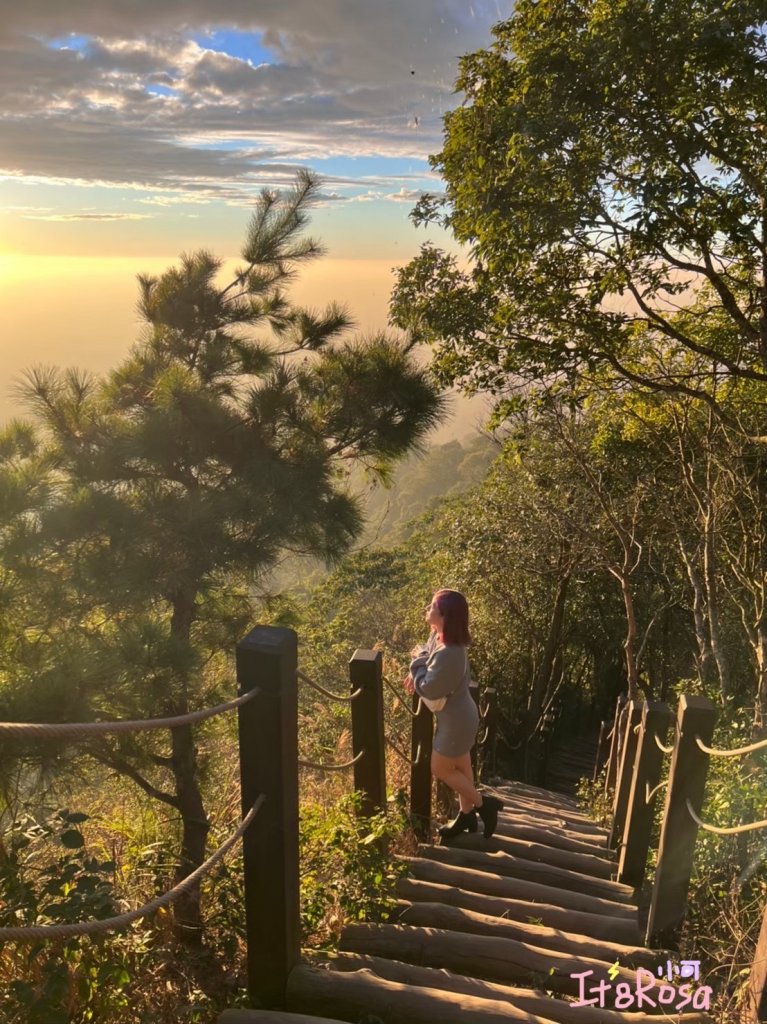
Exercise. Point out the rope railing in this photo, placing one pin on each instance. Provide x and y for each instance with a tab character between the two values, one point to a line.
409	760
80	729
344	699
399	696
662	746
737	752
30	933
650	793
317	766
733	831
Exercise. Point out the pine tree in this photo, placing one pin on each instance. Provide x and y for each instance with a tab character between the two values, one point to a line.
180	479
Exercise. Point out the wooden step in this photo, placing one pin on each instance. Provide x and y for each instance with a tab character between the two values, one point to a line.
500	863
456	919
483	956
528	1000
431	870
272	1017
584	863
363	994
507	821
596	926
570	819
553	837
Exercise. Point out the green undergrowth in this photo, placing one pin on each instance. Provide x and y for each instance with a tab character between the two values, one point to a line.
68	867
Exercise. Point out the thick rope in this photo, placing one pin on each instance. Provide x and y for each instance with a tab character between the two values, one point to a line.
735	830
331	767
403	755
666	750
650	793
729	753
327	693
109	924
398	695
79	729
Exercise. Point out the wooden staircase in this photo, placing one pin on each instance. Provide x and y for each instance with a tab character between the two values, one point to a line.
488	932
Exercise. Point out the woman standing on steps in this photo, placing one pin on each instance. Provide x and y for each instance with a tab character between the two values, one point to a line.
439	673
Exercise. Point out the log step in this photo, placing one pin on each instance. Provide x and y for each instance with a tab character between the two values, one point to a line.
518	867
552	837
431	870
584	863
530	1001
272	1017
484	956
595	926
362	993
456	919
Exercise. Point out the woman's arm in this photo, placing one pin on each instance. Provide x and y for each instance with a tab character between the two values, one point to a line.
439	674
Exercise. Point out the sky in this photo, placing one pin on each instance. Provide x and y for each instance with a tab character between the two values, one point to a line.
132	131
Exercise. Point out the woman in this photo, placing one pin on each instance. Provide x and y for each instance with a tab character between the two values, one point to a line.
441	670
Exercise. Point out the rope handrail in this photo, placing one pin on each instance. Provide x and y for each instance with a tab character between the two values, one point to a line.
398	695
650	793
733	831
409	760
108	924
26	729
327	693
712	752
661	746
330	767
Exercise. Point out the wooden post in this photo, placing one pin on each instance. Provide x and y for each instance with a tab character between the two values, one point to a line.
756	998
366	675
474	691
603	750
420	772
615	744
625	771
687	780
656	719
268	731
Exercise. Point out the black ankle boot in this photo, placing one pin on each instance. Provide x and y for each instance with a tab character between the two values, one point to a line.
488	812
465	822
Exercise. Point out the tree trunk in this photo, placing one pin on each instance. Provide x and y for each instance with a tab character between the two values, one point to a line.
195	824
706	661
545	677
712	603
630	643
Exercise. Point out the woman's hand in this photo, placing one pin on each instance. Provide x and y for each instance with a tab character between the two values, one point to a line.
408	683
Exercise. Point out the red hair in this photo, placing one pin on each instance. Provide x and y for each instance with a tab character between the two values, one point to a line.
452	606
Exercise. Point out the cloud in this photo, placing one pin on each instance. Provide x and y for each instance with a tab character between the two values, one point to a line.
141	102
89	216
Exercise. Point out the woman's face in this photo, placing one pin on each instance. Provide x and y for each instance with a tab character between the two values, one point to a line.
433	617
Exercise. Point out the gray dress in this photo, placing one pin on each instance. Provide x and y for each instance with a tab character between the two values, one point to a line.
445	673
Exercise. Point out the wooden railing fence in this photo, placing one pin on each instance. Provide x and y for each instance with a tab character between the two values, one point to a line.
633	769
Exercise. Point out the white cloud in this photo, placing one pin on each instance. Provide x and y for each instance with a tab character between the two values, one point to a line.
89	216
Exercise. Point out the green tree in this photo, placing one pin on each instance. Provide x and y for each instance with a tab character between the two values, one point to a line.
180	478
608	163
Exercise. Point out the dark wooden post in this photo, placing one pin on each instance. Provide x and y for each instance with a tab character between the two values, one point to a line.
756	999
603	750
474	691
687	780
656	719
420	771
366	675
615	744
268	729
625	771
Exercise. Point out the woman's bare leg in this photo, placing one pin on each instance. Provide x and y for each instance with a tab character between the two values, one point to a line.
456	772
